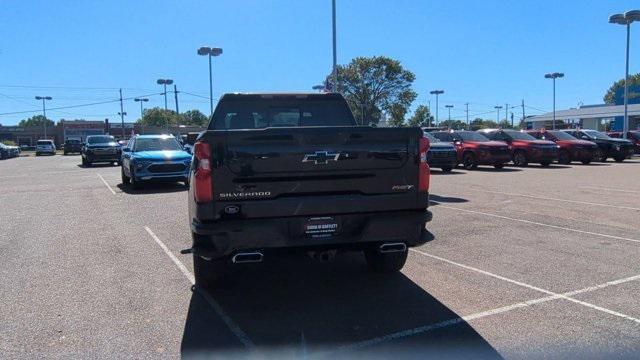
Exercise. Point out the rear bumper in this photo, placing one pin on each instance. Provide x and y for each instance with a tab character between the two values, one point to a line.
357	231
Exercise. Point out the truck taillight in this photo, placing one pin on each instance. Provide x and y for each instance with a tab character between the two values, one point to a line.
423	177
203	186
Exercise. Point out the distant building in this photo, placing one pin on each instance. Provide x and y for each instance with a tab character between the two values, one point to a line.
598	117
79	129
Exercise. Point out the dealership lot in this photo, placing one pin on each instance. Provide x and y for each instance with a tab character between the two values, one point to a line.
524	262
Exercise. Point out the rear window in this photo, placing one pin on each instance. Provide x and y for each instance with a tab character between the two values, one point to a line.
260	113
472	136
443	136
44	142
100	139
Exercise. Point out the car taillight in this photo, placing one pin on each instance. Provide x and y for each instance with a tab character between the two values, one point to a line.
203	186
423	177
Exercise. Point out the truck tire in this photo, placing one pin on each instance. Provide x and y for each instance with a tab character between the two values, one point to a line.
520	159
600	156
446	169
619	158
586	162
208	273
385	262
545	164
469	161
564	157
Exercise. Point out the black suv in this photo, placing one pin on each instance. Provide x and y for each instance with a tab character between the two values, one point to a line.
608	147
101	148
441	154
72	146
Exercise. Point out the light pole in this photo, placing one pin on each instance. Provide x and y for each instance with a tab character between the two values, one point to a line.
449	107
208	51
554	76
436	93
44	111
165	82
626	19
141	101
498	114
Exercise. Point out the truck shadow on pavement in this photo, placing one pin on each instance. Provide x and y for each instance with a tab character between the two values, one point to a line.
298	307
435	199
153	188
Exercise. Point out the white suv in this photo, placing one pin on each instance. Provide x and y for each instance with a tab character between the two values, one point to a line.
45	147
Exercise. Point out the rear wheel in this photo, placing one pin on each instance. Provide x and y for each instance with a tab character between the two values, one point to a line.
586	162
520	159
564	157
445	169
125	179
208	273
619	158
385	262
135	184
469	161
545	164
599	155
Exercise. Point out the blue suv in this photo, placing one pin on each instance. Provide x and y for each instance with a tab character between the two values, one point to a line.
154	157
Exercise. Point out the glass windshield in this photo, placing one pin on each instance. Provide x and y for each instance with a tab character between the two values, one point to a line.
157	144
596	134
634	135
561	135
431	138
73	141
44	142
517	135
472	136
100	139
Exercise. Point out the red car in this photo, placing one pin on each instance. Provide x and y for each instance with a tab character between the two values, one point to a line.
525	148
475	149
633	136
571	148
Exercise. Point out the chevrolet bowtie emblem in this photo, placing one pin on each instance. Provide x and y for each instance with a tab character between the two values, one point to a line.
321	157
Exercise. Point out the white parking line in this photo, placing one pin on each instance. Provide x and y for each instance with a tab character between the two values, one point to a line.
556	199
106	184
610	189
479	315
531	287
235	329
440	205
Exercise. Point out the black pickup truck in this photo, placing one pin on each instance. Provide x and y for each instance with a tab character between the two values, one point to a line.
277	173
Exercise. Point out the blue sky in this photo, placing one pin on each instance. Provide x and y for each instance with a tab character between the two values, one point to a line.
481	52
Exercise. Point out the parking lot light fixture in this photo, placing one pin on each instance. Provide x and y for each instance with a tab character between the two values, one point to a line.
44	111
449	107
209	51
626	19
498	113
436	93
164	82
141	101
319	88
554	76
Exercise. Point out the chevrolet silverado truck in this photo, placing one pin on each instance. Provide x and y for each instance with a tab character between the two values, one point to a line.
283	173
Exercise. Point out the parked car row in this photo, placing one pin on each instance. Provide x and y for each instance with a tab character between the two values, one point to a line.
497	147
8	151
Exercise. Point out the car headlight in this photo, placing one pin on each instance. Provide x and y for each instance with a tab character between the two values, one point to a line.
557	146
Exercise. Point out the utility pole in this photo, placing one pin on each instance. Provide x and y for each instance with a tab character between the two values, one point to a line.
122	114
506	112
467	114
335	56
523	111
175	94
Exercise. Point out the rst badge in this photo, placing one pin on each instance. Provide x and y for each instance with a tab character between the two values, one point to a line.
321	157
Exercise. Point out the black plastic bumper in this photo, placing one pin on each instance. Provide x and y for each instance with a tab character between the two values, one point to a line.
357	231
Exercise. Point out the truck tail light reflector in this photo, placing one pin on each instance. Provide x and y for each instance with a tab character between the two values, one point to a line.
424	175
203	184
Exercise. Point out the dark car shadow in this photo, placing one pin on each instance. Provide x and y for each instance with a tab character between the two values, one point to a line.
592	164
446	199
440	172
535	166
153	188
97	165
492	169
298	308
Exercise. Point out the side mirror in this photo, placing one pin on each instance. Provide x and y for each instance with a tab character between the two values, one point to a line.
584	137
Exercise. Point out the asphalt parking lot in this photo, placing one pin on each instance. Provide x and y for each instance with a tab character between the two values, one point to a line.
533	262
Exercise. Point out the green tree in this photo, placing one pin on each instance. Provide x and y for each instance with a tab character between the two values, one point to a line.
634	90
454	124
194	117
421	117
479	123
372	85
505	124
37	120
159	117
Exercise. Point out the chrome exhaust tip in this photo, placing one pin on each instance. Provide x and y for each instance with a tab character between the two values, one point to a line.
247	257
393	247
